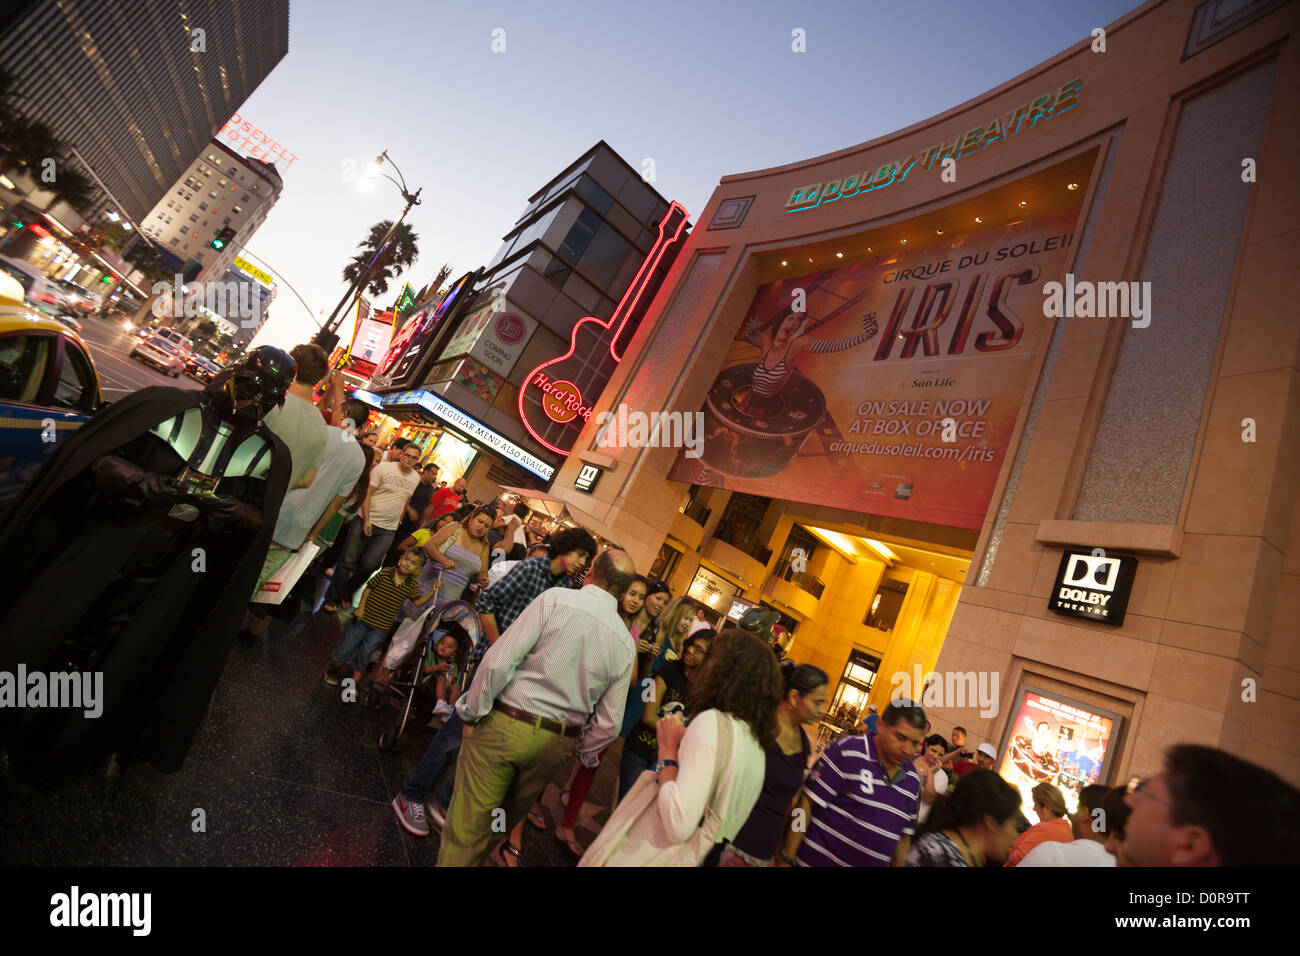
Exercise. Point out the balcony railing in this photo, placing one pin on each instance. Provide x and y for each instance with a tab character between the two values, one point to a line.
743	539
803	581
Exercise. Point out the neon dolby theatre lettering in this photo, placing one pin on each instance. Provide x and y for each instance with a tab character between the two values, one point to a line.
998	129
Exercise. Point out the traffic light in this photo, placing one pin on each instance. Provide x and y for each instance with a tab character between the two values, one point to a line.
221	238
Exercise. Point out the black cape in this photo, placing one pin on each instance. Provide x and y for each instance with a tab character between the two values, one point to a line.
157	686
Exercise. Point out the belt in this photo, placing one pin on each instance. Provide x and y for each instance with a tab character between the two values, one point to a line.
554	726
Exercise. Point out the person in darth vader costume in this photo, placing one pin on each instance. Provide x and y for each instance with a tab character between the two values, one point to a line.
133	552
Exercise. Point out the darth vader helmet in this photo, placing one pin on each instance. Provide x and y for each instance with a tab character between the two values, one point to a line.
253	386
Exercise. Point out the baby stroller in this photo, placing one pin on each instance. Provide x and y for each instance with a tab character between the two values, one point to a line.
410	687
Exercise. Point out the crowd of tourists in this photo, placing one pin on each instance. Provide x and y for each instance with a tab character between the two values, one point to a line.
578	656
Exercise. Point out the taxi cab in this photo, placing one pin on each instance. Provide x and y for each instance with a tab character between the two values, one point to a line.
48	388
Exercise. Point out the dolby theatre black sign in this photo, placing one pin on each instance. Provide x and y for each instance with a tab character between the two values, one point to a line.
1093	585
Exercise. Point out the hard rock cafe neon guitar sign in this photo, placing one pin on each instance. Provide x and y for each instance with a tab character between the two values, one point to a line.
555	388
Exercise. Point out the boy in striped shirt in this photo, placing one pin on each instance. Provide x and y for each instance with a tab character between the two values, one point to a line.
381	602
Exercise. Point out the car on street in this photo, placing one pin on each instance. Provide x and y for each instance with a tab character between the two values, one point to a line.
48	387
79	299
163	350
69	321
39	292
201	369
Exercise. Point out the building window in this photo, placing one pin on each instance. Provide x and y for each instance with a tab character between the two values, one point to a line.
194	218
739	525
175	241
212	195
850	701
221	183
882	614
665	562
693	506
203	205
239	209
245	199
184	230
580	236
556	272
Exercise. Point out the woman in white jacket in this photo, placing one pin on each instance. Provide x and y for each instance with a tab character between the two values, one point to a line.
710	774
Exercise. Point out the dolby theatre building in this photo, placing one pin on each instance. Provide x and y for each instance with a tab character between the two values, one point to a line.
1009	396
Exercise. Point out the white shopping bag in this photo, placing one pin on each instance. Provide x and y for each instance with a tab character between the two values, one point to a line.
286	576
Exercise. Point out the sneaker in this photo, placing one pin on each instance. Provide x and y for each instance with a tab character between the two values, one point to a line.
442	709
332	674
435	814
411	816
247	637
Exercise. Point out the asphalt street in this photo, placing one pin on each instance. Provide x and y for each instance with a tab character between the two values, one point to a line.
110	346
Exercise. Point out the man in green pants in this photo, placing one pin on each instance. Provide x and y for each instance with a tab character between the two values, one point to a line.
568	657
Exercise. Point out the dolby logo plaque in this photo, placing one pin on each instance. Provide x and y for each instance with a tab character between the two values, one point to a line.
1093	586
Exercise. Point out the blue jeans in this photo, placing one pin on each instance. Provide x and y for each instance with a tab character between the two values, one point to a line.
630	769
444	744
358	642
361	556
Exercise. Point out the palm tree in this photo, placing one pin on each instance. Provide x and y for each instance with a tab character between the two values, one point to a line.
27	144
395	258
432	288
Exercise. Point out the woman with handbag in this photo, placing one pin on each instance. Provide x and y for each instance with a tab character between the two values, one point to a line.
711	773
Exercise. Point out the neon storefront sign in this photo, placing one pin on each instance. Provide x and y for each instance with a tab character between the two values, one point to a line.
999	129
556	386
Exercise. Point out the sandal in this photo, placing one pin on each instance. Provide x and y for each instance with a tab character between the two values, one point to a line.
506	853
536	820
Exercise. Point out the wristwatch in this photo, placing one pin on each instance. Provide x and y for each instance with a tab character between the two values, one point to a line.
660	764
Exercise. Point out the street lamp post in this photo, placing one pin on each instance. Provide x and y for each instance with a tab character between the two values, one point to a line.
327	338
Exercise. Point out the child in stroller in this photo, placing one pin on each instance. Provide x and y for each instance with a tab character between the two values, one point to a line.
429	681
442	660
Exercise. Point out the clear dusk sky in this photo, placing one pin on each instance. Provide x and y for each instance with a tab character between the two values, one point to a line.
705	88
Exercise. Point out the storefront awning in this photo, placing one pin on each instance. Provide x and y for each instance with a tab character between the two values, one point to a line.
473	429
561	510
537	501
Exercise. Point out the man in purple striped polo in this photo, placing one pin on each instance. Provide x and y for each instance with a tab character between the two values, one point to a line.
861	801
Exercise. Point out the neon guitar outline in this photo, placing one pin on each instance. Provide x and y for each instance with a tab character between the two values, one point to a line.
626	306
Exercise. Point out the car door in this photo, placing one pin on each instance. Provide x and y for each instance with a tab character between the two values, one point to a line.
28	429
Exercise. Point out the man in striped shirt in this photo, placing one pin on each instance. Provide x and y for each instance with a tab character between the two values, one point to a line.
565	663
862	799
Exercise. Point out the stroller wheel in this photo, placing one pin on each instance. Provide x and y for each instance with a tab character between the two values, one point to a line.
373	698
390	741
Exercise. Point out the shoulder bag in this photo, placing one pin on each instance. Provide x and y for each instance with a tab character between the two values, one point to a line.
635	836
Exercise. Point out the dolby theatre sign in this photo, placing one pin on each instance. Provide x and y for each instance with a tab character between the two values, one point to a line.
1093	585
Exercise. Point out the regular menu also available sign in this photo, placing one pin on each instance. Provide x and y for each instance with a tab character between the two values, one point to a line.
1093	585
891	386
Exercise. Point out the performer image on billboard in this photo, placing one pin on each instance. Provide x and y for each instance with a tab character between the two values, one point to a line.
780	348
